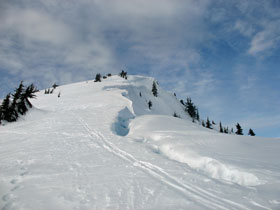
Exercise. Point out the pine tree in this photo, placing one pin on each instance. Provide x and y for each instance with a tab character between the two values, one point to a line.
251	132
226	130
5	108
182	102
59	94
239	129
16	101
203	123
0	115
123	74
197	115
221	128
208	124
97	78
55	86
29	93
150	104
190	108
154	89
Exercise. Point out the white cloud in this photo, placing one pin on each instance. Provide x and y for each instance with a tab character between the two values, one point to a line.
266	39
35	25
244	28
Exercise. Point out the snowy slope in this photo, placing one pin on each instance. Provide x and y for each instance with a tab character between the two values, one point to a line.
98	146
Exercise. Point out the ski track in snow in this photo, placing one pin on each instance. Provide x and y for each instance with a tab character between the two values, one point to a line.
199	195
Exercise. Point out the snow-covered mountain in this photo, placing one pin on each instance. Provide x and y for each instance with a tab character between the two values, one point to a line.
99	146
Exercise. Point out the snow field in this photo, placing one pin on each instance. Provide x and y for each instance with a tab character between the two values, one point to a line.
98	146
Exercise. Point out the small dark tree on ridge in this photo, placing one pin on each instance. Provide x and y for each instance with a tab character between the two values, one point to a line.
154	89
97	78
251	132
239	129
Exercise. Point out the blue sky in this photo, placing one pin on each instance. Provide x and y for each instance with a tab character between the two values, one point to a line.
225	55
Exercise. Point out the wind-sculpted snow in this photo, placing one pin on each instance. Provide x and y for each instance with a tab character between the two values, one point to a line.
175	145
99	146
123	119
211	167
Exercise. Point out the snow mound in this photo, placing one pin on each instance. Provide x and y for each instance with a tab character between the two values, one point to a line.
211	167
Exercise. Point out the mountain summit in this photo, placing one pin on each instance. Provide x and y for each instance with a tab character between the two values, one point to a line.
115	144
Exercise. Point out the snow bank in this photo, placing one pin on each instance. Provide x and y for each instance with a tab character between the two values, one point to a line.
211	167
188	143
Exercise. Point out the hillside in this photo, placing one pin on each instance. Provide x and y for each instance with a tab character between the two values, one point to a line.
99	146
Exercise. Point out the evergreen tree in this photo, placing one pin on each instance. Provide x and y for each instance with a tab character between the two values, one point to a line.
6	108
29	93
150	104
123	74
239	129
251	132
140	94
190	108
22	108
208	124
203	123
182	102
55	86
59	94
154	89
0	115
97	78
221	128
16	101
197	115
226	130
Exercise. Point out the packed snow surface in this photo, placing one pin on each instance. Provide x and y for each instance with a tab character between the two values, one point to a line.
99	146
